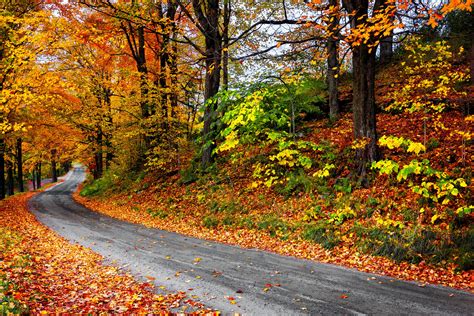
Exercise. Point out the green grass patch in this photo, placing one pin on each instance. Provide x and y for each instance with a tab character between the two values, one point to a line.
416	244
275	226
157	213
321	233
210	221
96	187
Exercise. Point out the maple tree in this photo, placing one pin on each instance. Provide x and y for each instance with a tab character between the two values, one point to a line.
15	57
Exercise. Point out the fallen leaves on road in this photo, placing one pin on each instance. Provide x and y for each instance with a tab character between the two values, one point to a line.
41	273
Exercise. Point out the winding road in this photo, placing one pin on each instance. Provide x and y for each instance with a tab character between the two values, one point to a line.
224	271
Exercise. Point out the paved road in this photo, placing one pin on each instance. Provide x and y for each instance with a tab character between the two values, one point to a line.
306	287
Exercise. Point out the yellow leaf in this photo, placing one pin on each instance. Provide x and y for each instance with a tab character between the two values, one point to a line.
434	218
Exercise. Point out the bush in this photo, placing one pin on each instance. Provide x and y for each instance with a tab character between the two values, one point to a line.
343	185
231	207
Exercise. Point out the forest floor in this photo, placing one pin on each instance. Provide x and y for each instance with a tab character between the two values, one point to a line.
226	207
42	273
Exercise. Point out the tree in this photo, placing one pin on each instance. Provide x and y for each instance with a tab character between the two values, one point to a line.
16	55
207	13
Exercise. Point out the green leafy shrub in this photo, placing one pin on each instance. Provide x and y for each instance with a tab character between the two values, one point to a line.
343	185
188	175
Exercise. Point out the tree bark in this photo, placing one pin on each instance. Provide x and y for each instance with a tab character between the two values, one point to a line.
98	155
386	44
53	166
33	178
19	161
333	66
225	39
143	70
363	104
209	22
386	50
135	36
10	179
2	169
173	65
38	175
109	155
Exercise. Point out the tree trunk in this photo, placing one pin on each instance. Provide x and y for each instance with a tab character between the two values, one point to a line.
19	161
333	66
109	129
99	158
109	154
386	44
53	166
2	169
364	124
386	49
10	179
135	36
211	89
174	77
225	39
143	70
209	22
163	85
363	86
38	175
33	178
